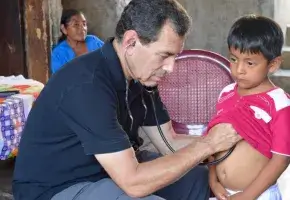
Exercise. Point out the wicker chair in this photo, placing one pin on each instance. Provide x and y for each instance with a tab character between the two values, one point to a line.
190	92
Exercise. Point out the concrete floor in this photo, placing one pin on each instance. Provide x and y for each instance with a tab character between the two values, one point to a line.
6	171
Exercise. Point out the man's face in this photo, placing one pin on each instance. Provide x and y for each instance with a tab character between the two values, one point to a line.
149	63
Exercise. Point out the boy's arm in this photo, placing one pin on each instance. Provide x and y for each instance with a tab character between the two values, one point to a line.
280	147
267	177
212	171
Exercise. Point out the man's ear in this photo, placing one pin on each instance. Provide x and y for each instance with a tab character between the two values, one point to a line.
275	64
63	29
129	41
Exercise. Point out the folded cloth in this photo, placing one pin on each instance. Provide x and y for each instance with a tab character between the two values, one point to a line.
28	100
12	120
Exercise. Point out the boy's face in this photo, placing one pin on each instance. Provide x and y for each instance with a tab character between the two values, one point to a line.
251	70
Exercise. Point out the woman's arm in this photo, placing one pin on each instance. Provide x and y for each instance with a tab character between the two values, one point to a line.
56	62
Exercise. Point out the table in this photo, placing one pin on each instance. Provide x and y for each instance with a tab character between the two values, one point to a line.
14	111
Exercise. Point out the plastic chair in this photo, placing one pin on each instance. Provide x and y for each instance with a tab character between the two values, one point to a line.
191	91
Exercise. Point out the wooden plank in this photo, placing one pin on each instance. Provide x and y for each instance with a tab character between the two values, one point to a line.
12	56
37	39
287	37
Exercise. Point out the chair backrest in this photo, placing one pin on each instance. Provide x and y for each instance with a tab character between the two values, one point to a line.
191	91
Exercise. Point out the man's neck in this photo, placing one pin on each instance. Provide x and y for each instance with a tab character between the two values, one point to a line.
121	56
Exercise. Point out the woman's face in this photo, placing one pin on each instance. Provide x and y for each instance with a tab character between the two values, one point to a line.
76	28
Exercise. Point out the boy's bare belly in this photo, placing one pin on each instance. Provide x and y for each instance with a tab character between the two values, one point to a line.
241	167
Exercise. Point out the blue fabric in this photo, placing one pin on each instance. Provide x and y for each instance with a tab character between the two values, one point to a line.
63	53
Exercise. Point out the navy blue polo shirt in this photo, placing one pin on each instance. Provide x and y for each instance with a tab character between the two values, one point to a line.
80	112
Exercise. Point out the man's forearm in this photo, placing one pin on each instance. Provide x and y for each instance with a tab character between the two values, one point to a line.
176	141
141	179
154	175
181	140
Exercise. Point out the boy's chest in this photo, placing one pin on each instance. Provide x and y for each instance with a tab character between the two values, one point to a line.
258	107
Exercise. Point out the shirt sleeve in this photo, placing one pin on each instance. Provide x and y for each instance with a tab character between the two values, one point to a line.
98	42
56	62
281	132
90	111
161	111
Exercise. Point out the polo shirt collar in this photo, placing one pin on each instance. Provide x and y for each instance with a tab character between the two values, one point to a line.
114	65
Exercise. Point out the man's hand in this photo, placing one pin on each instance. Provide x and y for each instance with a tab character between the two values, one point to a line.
222	137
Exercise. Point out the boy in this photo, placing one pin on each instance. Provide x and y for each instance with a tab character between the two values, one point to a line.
257	110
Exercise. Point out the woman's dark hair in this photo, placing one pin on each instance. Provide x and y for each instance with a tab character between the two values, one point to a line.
65	19
256	34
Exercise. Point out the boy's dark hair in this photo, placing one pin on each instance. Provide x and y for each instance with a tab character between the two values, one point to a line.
256	34
65	19
147	17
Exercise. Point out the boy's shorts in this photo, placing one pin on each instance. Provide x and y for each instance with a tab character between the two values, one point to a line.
273	193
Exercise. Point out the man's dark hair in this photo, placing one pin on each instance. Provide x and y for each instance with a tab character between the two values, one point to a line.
256	34
147	18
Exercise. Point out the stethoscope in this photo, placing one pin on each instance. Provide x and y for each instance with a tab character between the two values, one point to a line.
151	92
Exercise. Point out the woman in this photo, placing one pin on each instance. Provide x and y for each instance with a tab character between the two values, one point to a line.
74	40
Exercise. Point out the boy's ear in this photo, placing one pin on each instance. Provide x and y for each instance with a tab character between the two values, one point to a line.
275	64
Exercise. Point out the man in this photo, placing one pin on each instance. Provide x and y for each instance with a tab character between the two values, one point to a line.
80	141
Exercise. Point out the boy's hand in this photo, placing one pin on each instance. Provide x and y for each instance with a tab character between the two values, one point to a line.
218	190
240	196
